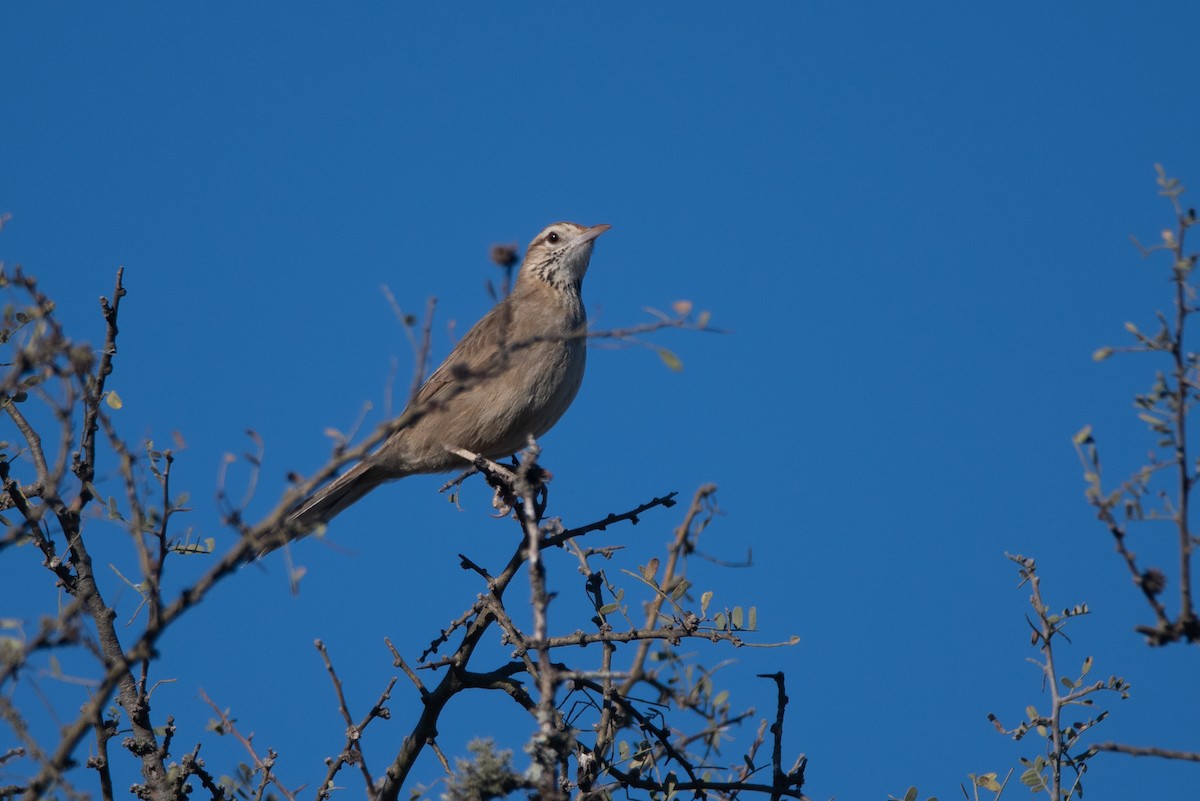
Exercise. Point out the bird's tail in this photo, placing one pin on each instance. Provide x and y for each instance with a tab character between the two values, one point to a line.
330	501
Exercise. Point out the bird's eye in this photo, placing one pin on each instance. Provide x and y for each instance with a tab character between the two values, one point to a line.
552	237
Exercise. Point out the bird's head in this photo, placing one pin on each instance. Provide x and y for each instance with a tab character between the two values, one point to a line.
559	255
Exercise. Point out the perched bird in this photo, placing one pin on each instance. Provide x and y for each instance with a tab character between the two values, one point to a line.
511	376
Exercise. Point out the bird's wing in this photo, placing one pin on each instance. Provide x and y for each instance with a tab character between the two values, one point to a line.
472	358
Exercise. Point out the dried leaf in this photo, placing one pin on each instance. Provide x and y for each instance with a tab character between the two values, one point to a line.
988	782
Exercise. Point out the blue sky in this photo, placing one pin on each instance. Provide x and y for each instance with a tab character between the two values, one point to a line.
912	219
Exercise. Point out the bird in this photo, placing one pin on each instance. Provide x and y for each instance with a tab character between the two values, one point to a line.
512	376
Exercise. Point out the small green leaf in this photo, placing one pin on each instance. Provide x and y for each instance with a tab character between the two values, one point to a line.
737	617
670	359
208	545
1100	354
113	399
705	599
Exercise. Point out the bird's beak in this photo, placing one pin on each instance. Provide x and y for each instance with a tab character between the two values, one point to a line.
591	233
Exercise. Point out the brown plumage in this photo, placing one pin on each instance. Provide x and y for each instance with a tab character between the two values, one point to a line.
513	375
